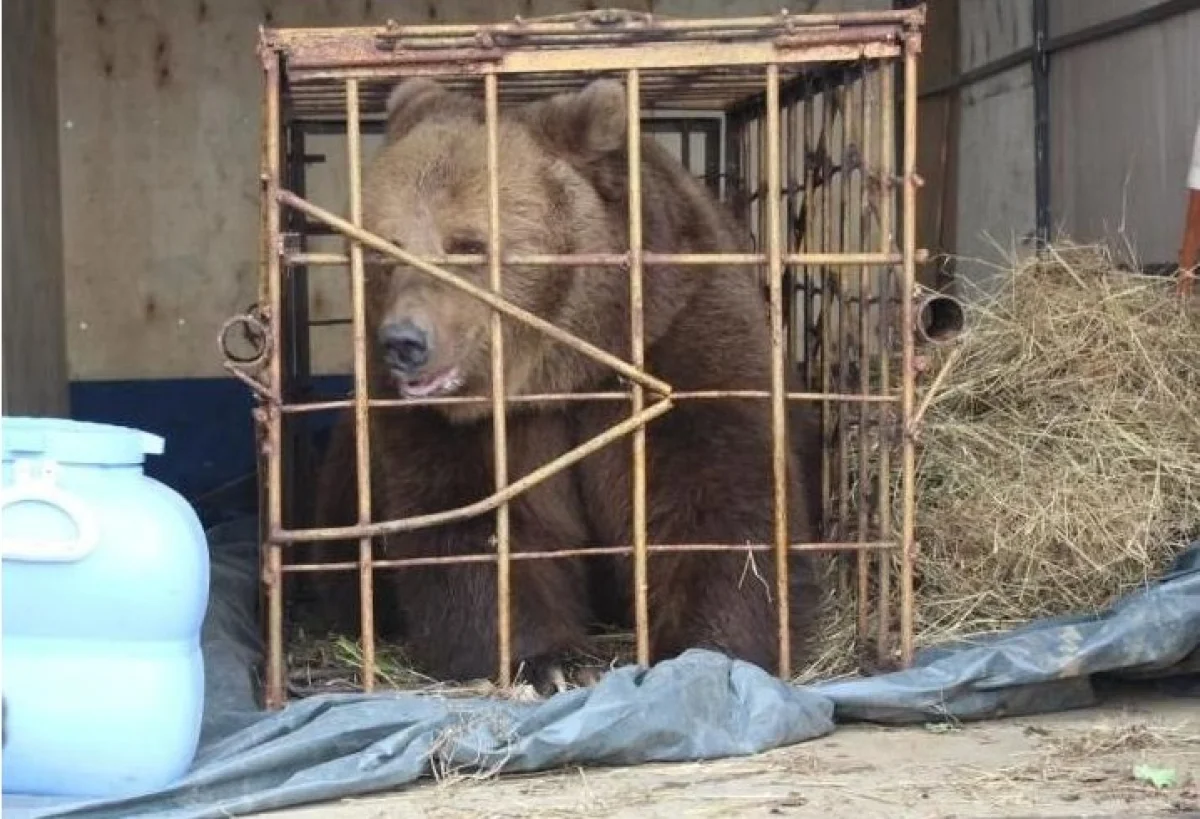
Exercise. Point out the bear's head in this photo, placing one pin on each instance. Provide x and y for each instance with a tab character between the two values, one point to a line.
426	191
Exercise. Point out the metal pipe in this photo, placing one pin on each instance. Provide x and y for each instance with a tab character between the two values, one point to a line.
480	293
362	418
778	386
499	411
940	318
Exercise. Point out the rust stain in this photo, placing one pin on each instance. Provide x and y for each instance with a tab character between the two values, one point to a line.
162	60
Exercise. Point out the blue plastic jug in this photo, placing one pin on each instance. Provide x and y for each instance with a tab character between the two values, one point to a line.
105	574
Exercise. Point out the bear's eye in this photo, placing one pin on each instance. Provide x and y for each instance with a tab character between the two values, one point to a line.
466	246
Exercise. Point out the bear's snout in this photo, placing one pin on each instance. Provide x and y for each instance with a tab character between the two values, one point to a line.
406	346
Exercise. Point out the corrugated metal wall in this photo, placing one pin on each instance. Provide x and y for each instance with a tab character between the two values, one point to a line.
1122	114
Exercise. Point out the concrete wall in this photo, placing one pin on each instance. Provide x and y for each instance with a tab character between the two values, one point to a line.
35	378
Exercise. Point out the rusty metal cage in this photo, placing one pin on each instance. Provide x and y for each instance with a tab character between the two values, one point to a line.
800	125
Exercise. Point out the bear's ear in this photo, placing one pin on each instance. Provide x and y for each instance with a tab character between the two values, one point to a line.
420	99
583	126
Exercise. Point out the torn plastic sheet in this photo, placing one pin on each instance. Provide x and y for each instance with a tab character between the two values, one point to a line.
700	705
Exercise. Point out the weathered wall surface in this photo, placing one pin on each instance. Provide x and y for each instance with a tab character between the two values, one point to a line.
35	378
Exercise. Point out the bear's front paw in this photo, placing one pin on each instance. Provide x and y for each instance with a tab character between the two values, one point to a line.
550	674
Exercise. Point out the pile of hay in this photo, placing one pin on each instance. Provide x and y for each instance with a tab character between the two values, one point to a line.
1059	462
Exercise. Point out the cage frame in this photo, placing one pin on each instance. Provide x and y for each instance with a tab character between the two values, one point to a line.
583	44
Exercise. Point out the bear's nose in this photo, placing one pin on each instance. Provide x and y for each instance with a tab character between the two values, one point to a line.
407	345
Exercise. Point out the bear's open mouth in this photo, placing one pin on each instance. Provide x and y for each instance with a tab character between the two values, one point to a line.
439	383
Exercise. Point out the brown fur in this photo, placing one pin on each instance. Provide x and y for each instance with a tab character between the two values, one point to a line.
564	189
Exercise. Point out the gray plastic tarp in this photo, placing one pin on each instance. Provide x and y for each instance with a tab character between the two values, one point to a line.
698	706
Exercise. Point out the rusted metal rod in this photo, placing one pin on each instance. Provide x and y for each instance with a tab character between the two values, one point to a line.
832	260
362	417
515	488
482	294
274	694
641	587
887	202
778	385
592	551
499	420
862	500
550	398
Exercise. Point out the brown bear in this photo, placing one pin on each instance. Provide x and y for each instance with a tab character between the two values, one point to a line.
564	188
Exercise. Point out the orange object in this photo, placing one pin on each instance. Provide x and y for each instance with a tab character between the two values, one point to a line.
1189	254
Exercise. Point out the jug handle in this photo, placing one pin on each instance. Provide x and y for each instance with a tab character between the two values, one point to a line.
37	485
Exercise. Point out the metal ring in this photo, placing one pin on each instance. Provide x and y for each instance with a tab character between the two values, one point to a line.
255	333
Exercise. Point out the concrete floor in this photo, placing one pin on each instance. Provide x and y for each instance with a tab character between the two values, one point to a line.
1079	763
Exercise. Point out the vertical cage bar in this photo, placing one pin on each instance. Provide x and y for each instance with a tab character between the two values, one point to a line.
499	419
909	252
274	694
845	337
791	186
814	303
828	429
862	500
637	338
887	144
362	420
772	204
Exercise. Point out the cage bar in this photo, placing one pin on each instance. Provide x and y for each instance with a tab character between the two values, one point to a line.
362	436
641	582
886	239
499	416
778	389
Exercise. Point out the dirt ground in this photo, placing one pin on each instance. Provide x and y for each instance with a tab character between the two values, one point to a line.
1079	763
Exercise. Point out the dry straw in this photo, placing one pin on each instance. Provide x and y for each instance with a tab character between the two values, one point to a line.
1059	461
